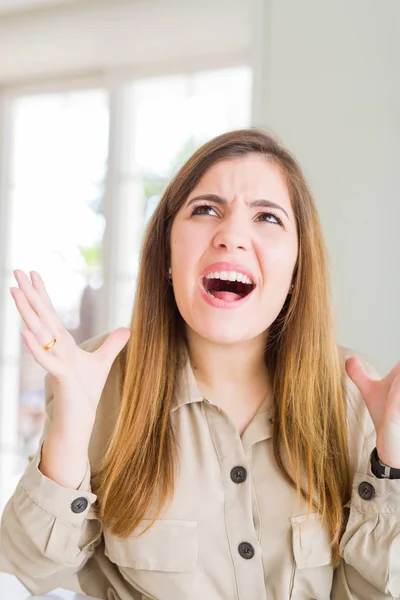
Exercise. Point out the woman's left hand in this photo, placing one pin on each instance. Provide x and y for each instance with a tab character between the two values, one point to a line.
382	397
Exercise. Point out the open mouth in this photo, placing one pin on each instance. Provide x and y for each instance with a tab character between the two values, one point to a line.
227	290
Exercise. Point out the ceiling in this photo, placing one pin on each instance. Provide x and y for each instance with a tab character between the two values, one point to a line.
15	6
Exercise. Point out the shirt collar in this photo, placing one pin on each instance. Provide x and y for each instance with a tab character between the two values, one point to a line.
188	392
261	426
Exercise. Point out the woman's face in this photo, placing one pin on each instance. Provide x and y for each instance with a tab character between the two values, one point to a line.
233	250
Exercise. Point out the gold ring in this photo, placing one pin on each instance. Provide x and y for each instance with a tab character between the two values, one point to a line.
50	345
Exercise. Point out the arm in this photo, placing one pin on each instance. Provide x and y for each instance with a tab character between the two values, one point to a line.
370	546
49	526
46	532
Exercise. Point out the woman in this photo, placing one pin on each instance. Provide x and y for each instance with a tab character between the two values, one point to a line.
223	451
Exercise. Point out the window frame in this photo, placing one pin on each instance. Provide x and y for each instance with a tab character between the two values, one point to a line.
113	83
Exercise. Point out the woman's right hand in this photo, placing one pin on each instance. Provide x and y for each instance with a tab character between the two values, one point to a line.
77	377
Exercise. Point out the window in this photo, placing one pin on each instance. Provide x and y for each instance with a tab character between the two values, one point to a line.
56	226
165	120
87	169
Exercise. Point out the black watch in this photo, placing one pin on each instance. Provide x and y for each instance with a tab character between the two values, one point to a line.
380	470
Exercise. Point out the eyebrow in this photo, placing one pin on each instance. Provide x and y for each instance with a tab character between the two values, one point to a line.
253	204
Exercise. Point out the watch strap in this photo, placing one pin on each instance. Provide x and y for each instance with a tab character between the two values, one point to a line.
381	470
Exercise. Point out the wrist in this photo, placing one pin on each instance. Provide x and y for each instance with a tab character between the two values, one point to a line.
382	470
64	459
381	461
387	461
68	425
75	439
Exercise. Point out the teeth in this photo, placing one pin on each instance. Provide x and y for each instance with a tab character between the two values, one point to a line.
230	276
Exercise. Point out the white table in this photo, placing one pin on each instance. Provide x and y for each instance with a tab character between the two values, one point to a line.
12	589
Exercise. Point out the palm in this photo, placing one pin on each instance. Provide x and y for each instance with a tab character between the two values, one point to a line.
78	377
382	398
88	370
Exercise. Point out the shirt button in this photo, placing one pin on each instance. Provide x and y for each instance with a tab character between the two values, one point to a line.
79	505
366	490
238	474
246	550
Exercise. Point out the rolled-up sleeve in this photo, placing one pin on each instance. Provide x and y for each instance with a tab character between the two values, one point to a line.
370	545
47	528
48	531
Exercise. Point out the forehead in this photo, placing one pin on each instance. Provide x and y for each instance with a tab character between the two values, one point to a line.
251	177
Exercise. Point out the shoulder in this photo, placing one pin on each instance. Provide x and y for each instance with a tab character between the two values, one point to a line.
361	429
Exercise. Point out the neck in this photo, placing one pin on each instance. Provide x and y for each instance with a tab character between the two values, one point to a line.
234	371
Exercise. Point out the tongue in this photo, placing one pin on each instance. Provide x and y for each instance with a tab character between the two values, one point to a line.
227	296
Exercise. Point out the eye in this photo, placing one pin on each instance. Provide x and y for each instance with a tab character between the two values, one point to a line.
202	209
267	215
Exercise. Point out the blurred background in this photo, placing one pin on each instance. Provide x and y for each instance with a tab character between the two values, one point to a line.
102	100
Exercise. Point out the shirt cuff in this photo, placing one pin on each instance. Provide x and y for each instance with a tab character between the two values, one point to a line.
69	505
371	494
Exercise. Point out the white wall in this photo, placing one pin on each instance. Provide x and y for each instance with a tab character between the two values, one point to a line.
13	6
327	82
137	35
333	97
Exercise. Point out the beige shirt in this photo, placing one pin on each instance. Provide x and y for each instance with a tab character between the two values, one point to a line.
230	533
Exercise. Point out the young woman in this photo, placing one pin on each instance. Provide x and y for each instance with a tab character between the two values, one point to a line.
224	446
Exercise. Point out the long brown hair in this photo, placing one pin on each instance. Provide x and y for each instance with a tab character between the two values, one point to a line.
302	356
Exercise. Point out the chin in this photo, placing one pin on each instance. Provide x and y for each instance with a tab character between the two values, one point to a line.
223	335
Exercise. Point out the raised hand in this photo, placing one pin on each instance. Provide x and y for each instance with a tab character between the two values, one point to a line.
382	397
78	377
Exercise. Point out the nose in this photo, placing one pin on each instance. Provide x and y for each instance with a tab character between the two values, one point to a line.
232	235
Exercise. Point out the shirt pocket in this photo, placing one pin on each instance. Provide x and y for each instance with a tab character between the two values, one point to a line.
160	562
312	571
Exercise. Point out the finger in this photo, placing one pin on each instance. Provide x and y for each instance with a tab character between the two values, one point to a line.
44	358
30	318
113	345
46	315
28	315
395	371
359	376
40	287
394	393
